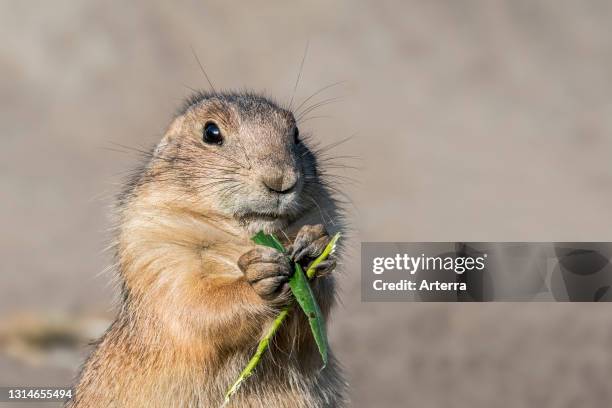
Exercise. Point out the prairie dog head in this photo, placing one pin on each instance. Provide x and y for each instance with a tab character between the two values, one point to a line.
240	155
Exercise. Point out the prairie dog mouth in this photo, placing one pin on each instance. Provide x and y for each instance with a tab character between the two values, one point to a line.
270	216
269	223
256	216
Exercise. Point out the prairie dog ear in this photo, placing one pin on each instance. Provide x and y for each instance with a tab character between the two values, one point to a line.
174	130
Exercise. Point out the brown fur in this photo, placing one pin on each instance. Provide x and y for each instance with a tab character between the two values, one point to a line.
190	316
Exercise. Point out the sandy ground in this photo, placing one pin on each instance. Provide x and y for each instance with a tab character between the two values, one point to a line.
475	120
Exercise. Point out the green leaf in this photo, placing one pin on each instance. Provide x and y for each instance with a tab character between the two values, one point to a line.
305	297
303	293
269	240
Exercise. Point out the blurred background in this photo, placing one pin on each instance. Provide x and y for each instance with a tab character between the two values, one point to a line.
474	121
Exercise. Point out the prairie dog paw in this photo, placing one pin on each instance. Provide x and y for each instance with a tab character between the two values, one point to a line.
268	271
309	243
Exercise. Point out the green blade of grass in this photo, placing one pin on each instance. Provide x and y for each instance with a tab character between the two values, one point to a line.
269	240
254	361
305	297
272	241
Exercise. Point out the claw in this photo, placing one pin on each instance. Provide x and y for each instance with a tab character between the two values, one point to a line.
300	255
325	268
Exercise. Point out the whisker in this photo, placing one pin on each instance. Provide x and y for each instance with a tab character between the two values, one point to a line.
321	211
333	145
341	166
317	105
190	88
297	81
202	69
227	158
317	93
341	178
325	158
301	121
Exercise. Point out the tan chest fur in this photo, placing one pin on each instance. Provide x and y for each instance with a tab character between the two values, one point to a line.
180	341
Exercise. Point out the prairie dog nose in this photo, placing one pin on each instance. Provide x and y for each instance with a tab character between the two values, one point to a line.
281	182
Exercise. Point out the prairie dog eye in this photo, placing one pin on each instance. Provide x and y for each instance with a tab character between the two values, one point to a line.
296	135
212	134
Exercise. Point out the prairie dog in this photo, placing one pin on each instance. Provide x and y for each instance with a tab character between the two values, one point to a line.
197	294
